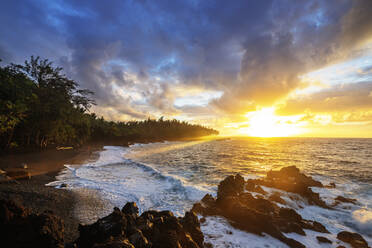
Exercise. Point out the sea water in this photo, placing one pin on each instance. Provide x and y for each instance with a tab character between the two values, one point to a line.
174	175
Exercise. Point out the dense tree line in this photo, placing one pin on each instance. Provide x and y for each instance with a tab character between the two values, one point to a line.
41	107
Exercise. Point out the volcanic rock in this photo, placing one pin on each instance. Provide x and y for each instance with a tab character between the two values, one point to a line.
290	179
113	225
130	208
290	214
277	198
251	186
331	185
138	239
152	229
20	228
323	240
354	239
258	215
344	199
191	225
230	186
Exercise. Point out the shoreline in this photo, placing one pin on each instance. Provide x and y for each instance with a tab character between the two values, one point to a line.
42	168
35	195
46	162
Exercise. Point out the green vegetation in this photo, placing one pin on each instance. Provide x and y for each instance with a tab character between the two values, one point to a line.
40	108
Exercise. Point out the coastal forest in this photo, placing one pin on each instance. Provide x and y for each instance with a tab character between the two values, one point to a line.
40	107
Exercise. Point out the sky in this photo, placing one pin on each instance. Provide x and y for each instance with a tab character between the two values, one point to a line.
256	68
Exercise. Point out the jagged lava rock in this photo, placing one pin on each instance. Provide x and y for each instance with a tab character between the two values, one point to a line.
130	208
115	243
290	179
323	240
250	185
354	239
152	229
113	225
344	199
21	228
230	186
258	215
276	197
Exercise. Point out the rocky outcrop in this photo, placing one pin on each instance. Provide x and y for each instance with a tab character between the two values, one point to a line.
276	197
259	213
247	205
323	240
125	228
122	229
354	239
290	179
340	199
252	214
21	228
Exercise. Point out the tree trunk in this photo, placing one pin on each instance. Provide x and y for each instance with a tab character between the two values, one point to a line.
10	136
37	137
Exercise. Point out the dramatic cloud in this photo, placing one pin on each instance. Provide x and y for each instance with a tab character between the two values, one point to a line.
340	98
300	39
140	57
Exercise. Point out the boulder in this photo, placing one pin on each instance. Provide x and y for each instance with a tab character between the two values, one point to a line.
130	208
152	229
208	199
331	185
354	239
230	186
250	185
290	179
115	243
21	228
138	239
323	240
339	199
290	215
113	225
276	197
258	215
191	225
314	225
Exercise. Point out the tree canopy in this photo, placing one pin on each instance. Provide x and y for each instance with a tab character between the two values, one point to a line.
41	107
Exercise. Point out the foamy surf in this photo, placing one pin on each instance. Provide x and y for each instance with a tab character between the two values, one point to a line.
120	180
173	175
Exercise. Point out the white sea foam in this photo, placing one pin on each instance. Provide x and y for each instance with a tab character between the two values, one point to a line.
221	234
120	180
311	241
174	175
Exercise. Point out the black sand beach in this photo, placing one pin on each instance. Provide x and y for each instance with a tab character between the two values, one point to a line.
42	168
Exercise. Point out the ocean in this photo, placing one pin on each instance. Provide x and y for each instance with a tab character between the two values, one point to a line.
174	175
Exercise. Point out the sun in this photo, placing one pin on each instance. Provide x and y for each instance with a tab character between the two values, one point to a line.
264	123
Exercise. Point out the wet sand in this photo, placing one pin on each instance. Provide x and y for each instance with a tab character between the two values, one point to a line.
46	162
42	168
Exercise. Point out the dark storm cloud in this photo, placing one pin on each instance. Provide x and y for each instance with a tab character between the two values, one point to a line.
253	51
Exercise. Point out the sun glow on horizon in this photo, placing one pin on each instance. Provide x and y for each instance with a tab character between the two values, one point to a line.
264	123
